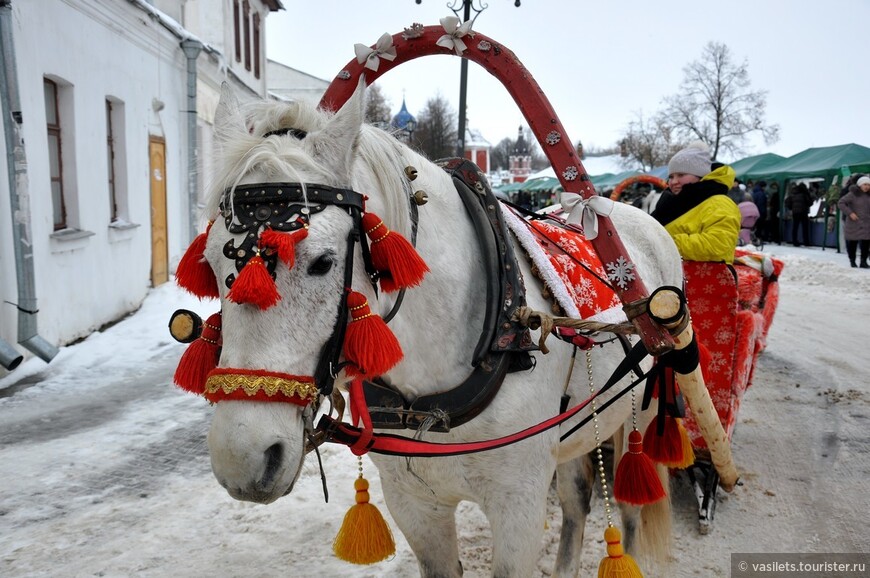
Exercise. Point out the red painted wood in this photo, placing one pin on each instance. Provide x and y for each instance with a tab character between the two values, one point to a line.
505	66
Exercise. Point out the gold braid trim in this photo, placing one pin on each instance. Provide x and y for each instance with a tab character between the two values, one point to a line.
251	384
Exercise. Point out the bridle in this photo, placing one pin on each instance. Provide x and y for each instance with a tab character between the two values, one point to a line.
287	207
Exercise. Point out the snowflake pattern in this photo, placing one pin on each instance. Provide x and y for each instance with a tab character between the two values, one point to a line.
572	256
484	46
570	173
553	137
731	332
621	272
344	75
414	31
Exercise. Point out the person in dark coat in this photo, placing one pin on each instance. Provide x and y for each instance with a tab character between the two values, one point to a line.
799	202
773	208
759	197
855	206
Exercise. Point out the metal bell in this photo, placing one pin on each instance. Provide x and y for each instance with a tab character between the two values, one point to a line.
421	198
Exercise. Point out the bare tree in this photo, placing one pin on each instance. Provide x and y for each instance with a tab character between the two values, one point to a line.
650	142
499	155
436	128
377	107
716	105
539	159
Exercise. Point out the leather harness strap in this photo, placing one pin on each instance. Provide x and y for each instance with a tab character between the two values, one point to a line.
503	344
387	444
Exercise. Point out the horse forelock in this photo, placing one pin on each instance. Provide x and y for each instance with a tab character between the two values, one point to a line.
377	166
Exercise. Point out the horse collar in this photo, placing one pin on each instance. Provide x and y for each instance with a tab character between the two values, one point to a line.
503	345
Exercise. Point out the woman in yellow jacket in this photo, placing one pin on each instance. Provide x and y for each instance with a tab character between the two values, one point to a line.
696	210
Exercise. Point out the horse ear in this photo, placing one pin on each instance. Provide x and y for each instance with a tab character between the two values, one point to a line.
227	117
336	141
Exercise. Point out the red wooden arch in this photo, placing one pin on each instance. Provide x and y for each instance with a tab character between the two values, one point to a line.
625	183
507	68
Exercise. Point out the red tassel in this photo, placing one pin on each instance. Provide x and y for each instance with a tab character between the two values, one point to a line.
368	343
284	243
254	285
393	256
200	357
636	481
194	274
670	448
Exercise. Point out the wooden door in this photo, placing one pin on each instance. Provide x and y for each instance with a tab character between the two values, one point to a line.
159	237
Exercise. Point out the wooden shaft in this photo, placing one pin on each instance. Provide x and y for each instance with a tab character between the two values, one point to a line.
665	305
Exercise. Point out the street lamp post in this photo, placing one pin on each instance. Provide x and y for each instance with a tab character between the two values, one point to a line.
467	7
410	126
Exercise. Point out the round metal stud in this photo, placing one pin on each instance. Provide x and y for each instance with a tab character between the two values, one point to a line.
263	212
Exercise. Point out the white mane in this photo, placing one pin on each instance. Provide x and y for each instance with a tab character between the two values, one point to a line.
242	151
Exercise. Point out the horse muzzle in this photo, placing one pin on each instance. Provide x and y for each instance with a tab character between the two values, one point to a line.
256	449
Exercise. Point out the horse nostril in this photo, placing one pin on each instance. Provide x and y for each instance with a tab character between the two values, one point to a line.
273	456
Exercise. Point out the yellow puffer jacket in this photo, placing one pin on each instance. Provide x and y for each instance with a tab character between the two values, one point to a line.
709	231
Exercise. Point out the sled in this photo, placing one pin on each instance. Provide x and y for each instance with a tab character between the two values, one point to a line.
732	308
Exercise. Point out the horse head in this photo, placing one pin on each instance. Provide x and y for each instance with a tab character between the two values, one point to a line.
278	215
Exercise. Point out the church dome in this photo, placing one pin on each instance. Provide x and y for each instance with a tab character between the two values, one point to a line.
403	118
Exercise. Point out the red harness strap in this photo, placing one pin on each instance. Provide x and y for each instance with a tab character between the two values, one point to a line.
362	440
359	410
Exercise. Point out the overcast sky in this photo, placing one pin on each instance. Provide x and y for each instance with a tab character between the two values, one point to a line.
600	63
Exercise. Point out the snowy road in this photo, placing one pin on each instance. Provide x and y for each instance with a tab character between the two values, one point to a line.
105	471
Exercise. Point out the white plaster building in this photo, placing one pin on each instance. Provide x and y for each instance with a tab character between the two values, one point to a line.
477	149
112	102
286	83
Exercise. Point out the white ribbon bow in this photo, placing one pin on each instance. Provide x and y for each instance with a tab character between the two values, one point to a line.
455	32
585	211
372	56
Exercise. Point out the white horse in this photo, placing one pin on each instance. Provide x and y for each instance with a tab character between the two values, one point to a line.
650	201
257	448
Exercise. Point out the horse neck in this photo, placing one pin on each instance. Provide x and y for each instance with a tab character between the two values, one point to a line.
439	322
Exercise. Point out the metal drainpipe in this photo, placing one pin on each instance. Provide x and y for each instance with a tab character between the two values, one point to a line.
191	49
9	356
10	108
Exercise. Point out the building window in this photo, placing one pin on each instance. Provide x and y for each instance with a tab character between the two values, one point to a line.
247	33
257	45
237	28
110	161
55	158
116	160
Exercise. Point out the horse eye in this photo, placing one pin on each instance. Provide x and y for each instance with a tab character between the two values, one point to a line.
321	266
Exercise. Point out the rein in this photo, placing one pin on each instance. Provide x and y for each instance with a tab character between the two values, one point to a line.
362	439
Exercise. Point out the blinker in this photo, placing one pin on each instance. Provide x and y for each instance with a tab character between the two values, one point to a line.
185	326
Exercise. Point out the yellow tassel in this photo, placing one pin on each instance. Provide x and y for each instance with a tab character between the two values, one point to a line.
688	450
364	537
617	564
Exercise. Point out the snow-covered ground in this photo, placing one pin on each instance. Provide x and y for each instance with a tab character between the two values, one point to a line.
104	469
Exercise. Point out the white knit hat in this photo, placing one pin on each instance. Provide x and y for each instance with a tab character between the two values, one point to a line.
692	160
865	180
